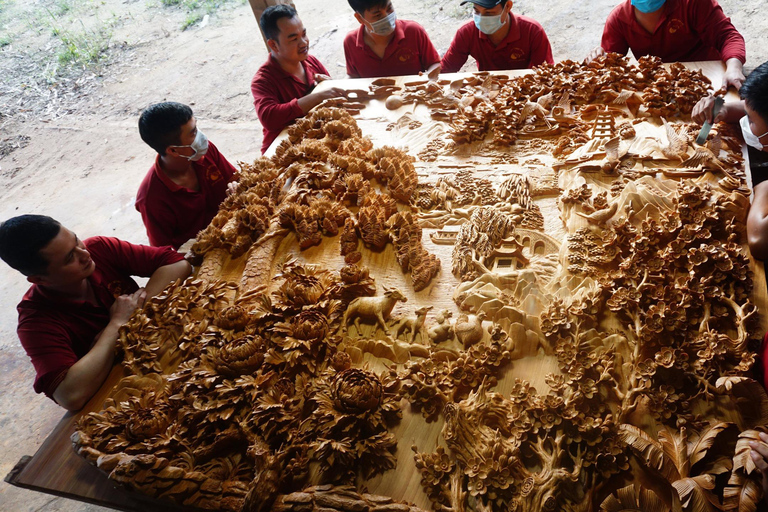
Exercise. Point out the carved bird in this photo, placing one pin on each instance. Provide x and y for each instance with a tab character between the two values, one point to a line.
601	216
611	155
469	328
705	158
677	149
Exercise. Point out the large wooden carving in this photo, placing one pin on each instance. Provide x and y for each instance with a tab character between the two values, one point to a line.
544	304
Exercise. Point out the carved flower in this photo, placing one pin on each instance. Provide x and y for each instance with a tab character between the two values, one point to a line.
666	357
232	317
356	391
238	357
341	361
310	325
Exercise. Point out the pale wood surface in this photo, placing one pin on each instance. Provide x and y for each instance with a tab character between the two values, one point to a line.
57	469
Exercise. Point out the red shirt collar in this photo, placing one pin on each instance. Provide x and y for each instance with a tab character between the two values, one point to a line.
39	293
277	71
168	182
512	36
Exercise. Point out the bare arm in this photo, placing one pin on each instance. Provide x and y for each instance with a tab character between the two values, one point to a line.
734	74
759	454
310	101
757	223
85	377
167	274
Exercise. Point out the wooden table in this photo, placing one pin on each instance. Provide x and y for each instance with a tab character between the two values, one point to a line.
56	469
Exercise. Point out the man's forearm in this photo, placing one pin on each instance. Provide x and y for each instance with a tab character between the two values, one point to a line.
310	101
167	274
85	377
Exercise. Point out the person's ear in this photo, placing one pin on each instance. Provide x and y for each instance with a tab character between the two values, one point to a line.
273	46
359	18
172	151
508	7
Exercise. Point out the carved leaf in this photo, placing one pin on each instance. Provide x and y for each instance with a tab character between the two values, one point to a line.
675	447
741	458
750	397
630	498
650	449
742	494
697	449
695	493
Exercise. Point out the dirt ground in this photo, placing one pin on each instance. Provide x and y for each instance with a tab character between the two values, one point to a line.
69	146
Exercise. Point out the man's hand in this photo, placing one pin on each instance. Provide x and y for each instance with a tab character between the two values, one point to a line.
125	305
702	111
333	92
321	78
734	74
432	72
759	454
595	53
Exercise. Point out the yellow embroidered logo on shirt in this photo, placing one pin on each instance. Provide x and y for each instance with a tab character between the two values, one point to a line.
517	54
675	25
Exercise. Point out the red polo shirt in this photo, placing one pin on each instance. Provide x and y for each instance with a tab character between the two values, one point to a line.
525	46
688	30
276	93
173	214
409	52
56	331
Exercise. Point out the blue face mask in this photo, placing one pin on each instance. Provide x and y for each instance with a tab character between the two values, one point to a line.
647	6
488	24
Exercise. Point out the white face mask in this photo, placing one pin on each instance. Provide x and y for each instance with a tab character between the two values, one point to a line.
488	24
200	145
384	26
750	138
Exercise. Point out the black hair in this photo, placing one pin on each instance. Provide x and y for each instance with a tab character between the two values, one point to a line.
271	16
160	124
22	238
360	6
754	91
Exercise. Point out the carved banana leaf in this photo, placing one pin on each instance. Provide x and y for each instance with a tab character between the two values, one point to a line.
742	494
650	449
633	499
741	458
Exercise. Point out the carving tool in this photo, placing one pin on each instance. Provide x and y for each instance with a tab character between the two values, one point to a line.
702	138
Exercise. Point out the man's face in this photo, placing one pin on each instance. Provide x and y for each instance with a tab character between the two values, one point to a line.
69	262
377	13
502	8
758	126
186	137
292	43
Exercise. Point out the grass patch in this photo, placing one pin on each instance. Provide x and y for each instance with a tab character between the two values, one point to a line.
83	48
197	9
5	40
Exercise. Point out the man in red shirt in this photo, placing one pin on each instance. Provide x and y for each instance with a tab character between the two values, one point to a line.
182	191
81	293
498	39
282	87
387	46
675	31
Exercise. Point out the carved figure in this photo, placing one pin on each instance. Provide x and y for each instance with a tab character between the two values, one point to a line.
413	324
443	330
469	328
373	308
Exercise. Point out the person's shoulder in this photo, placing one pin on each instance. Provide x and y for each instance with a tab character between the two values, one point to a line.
351	38
467	30
103	243
412	27
529	22
149	185
620	12
265	72
314	62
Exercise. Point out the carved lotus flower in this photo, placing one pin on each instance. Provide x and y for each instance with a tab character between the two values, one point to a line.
148	418
310	325
356	391
232	317
238	357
